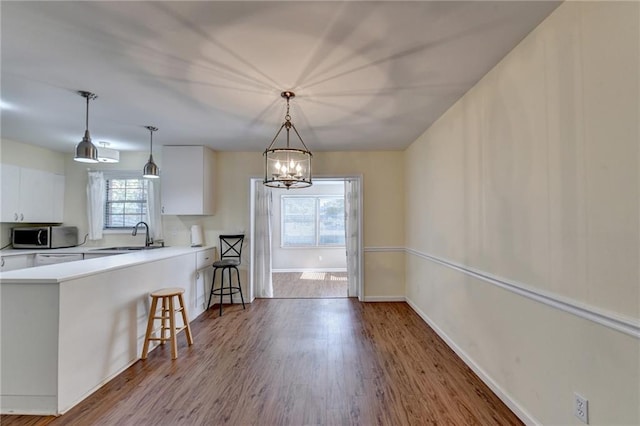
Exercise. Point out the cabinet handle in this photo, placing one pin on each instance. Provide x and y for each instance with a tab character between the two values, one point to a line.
15	217
21	217
2	264
197	273
162	209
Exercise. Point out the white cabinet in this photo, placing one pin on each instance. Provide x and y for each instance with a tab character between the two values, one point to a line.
97	255
10	263
187	180
57	208
10	193
204	274
29	195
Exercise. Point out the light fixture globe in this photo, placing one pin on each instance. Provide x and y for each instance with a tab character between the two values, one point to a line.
107	155
86	152
151	170
287	167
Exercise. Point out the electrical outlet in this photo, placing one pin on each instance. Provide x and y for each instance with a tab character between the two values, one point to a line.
581	408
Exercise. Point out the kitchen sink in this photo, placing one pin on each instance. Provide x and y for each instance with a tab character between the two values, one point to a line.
127	248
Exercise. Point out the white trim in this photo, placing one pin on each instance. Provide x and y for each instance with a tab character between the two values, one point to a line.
360	180
252	227
384	249
517	409
614	321
384	299
310	270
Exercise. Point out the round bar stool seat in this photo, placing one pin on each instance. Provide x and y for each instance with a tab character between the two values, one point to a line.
167	319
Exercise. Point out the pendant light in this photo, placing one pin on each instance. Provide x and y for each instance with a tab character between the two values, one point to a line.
151	170
86	152
287	167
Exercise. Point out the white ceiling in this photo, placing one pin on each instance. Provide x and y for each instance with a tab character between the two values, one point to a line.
368	75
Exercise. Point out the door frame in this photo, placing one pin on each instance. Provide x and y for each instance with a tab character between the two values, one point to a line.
252	198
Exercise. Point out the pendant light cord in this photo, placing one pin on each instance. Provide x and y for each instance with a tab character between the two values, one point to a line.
87	116
151	130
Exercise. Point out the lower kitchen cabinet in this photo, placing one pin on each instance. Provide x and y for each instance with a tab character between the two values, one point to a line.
204	274
10	263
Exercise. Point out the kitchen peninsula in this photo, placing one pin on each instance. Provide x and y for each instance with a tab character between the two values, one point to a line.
69	328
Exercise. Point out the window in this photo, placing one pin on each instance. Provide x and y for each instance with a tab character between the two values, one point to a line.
126	200
312	221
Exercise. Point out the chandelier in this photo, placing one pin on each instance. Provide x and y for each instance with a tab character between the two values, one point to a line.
287	167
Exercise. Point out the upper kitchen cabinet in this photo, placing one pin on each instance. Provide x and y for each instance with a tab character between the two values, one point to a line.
31	196
188	180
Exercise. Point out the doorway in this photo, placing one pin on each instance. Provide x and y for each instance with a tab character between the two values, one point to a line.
306	243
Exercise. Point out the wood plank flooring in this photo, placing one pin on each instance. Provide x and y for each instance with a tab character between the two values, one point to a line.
296	362
299	285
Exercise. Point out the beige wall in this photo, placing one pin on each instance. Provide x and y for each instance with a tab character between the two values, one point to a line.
533	178
31	156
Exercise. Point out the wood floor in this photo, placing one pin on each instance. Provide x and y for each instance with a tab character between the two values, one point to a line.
302	285
296	362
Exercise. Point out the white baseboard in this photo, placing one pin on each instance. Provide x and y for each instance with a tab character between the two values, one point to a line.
311	270
522	414
384	299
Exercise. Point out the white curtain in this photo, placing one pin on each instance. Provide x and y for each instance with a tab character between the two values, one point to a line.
154	216
264	283
352	231
96	189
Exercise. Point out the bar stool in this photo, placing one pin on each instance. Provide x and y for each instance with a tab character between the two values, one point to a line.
230	258
169	311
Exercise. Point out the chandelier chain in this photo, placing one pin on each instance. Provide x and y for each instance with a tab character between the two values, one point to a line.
287	117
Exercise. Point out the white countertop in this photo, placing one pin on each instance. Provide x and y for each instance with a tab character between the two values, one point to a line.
61	272
67	250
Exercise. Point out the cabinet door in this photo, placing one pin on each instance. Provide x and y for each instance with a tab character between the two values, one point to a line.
187	180
87	256
57	208
10	263
36	195
10	193
30	195
181	180
204	274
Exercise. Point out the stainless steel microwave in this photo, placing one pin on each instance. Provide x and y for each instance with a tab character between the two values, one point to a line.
44	237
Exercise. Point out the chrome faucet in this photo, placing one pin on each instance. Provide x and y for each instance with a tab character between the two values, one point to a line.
147	240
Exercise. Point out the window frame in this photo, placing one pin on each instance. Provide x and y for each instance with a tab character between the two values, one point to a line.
122	175
316	244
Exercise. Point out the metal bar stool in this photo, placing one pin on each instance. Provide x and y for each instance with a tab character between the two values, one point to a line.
168	313
230	258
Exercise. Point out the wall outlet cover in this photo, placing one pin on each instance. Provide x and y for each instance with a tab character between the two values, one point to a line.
581	408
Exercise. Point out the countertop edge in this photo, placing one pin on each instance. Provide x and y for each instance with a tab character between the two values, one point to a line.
59	273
